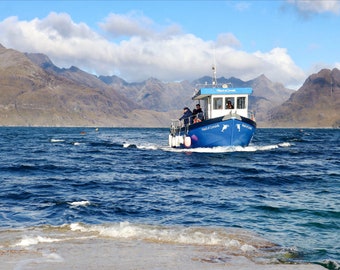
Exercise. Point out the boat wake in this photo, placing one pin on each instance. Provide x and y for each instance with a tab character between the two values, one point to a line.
155	146
229	149
219	149
145	145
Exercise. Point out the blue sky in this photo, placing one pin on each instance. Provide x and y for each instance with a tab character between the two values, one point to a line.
179	40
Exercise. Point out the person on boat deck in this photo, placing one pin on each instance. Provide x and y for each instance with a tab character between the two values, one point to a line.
197	114
187	116
229	105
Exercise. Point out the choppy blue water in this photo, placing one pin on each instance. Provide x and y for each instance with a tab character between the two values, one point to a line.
284	187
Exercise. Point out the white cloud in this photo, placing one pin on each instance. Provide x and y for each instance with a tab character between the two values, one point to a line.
227	39
278	63
133	24
63	26
316	6
166	54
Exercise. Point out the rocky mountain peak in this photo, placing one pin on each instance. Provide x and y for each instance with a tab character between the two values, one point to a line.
317	101
40	59
262	80
325	77
111	80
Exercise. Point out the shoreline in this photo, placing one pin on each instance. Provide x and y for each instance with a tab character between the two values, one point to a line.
101	253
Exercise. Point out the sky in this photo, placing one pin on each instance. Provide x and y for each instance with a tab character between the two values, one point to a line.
286	40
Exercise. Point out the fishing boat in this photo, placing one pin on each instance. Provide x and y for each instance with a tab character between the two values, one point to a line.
224	120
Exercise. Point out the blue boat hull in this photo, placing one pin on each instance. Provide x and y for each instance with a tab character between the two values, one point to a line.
221	131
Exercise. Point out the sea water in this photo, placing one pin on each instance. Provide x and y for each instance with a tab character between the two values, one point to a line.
120	198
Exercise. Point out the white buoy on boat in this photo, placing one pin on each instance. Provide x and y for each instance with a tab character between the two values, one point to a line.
170	140
187	141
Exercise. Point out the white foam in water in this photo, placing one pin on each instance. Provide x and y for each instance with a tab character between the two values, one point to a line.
147	147
137	246
77	143
80	203
175	235
233	244
285	144
248	248
228	149
56	140
201	150
267	147
219	149
34	240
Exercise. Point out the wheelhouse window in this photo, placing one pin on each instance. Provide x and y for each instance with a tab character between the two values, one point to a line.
229	103
217	103
241	102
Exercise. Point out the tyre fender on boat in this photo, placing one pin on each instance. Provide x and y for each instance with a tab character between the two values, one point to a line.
187	141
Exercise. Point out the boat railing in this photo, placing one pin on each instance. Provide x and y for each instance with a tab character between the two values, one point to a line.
192	119
251	115
175	126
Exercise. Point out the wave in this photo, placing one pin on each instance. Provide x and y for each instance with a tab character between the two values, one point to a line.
235	238
141	146
57	140
77	143
129	145
148	147
80	203
34	240
222	244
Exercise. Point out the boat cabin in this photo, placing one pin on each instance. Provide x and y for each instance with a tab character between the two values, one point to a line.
219	101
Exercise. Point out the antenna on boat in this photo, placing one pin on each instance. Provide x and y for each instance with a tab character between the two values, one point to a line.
214	79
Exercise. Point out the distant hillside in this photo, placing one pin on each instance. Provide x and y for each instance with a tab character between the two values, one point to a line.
156	95
315	104
35	92
153	94
33	95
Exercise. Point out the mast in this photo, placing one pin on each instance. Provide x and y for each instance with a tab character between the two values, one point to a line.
214	78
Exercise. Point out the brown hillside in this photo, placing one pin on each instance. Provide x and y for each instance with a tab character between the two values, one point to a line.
266	96
31	96
153	94
315	104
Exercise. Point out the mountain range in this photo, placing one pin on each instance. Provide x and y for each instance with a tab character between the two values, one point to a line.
35	92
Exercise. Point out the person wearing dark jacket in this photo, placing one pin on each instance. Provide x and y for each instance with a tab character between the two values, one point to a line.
197	114
187	116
